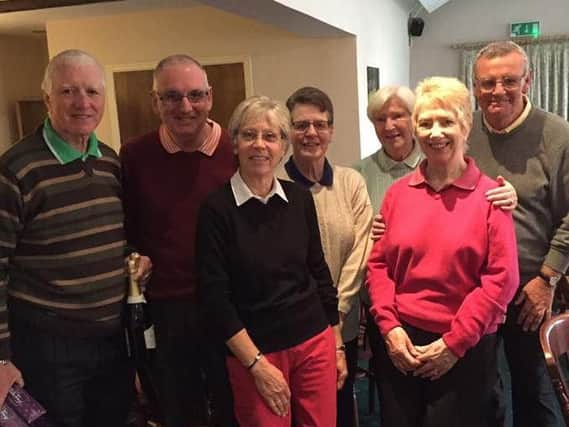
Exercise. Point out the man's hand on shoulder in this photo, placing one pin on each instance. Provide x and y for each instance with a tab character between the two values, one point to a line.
9	375
504	196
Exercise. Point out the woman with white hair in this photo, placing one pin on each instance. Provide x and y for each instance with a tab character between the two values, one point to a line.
389	110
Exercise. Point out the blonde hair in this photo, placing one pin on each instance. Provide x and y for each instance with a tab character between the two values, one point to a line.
380	97
257	107
447	93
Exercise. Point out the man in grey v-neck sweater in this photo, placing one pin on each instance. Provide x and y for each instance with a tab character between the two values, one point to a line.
530	149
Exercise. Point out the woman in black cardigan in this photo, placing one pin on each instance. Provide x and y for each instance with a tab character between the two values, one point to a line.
265	285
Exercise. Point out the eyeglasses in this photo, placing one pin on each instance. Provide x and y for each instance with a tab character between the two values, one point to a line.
507	82
250	135
304	125
173	98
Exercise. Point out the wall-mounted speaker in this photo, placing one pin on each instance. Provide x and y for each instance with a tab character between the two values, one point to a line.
415	26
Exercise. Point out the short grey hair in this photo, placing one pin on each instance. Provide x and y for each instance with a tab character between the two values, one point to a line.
260	107
381	96
175	60
68	57
499	49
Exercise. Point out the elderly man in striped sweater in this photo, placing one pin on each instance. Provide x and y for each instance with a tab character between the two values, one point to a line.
62	245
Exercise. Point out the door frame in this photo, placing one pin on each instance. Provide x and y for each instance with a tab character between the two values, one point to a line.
110	70
20	116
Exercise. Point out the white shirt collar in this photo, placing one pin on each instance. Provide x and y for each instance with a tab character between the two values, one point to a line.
242	193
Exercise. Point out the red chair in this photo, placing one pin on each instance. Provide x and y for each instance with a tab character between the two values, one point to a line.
554	338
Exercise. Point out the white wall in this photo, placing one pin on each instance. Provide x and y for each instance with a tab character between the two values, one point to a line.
380	27
462	21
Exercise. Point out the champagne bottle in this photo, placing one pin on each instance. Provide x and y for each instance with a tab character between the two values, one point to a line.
140	318
141	342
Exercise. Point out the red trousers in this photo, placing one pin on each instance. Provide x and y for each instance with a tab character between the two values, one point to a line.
310	370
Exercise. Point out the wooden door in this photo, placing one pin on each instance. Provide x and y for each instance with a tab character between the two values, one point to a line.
228	83
134	106
134	103
30	114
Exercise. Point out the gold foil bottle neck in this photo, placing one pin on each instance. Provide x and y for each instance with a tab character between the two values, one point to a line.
133	261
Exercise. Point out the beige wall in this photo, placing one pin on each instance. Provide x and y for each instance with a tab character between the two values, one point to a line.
21	71
280	61
380	27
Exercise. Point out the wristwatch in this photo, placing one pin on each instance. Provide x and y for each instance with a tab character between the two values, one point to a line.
551	281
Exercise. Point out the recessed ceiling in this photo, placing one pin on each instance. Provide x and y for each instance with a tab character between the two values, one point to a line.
432	5
33	22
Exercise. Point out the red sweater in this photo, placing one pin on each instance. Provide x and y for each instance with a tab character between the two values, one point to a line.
162	196
448	261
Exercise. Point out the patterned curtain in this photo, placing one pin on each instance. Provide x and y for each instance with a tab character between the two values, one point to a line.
549	64
467	57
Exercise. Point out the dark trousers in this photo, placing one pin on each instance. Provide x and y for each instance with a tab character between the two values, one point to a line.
464	397
534	403
345	396
82	382
189	367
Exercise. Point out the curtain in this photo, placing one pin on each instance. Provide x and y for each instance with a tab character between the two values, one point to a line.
549	65
467	57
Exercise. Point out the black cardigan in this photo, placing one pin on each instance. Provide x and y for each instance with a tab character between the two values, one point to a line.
261	267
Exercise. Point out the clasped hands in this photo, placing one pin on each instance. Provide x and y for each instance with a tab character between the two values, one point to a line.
430	361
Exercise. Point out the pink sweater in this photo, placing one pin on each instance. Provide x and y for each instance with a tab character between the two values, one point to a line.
448	261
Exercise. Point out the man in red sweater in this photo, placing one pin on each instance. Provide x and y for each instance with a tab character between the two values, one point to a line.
166	175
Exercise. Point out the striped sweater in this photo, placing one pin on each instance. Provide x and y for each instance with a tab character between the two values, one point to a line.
61	241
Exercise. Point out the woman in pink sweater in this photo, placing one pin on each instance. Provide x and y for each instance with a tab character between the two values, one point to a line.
442	276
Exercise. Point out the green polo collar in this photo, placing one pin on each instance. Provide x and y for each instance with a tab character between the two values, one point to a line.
64	152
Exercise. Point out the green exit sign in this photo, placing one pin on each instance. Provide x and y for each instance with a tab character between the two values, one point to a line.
525	29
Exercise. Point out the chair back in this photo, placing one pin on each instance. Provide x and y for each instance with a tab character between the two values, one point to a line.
554	338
